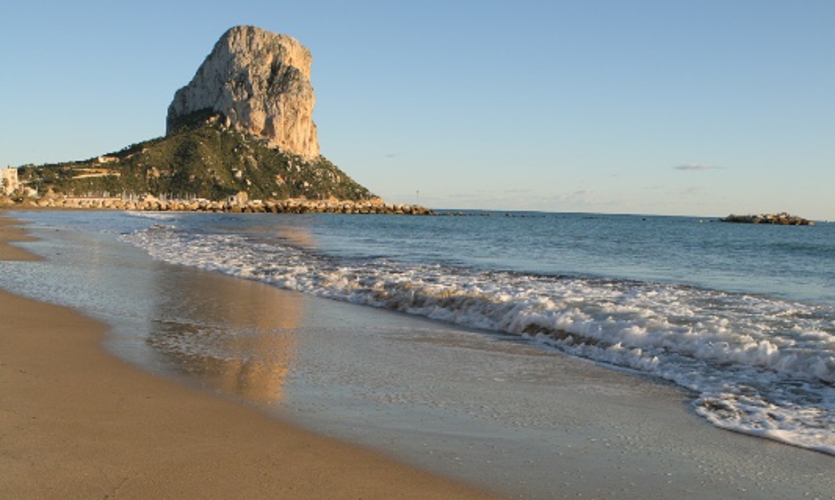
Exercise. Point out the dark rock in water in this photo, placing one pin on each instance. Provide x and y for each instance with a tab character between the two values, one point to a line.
782	219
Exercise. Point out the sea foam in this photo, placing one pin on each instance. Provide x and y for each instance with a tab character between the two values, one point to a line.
755	364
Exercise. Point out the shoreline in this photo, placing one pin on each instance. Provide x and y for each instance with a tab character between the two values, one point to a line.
484	410
76	422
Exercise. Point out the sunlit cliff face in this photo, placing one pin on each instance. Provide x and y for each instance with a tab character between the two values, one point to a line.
260	82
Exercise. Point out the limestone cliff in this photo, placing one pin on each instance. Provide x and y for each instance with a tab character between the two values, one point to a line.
243	125
259	82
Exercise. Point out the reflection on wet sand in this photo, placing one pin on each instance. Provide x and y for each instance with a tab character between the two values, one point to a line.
298	236
237	335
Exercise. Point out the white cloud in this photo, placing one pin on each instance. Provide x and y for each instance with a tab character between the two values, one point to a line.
698	167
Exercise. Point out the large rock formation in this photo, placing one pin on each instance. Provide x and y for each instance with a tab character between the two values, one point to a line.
241	129
259	82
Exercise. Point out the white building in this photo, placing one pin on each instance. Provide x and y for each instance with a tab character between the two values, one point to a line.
9	182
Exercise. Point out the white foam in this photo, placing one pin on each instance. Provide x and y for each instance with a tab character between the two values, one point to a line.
760	366
154	215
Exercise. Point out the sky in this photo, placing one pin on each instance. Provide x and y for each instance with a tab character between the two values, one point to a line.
671	107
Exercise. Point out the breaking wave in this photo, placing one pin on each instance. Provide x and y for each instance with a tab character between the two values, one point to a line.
755	364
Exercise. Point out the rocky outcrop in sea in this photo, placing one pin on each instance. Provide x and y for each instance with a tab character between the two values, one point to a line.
782	219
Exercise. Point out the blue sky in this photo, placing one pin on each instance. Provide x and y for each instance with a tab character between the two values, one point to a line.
653	107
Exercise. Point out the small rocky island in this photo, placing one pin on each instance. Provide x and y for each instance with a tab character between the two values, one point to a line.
239	137
781	219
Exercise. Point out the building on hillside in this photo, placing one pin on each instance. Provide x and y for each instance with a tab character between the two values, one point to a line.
9	181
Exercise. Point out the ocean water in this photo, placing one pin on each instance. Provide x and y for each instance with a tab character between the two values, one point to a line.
740	316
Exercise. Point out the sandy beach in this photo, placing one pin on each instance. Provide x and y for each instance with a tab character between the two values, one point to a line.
75	422
227	387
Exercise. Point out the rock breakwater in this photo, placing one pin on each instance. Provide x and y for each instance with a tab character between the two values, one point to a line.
153	204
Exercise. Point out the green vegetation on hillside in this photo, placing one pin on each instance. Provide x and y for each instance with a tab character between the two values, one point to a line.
203	160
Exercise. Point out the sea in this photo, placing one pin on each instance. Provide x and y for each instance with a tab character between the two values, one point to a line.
740	317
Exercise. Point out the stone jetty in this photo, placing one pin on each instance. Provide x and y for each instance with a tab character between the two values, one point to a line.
781	219
233	205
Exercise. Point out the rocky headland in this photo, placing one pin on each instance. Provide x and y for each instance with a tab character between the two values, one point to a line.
242	129
781	219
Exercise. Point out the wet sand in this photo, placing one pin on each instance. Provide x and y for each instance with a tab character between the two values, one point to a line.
11	230
75	422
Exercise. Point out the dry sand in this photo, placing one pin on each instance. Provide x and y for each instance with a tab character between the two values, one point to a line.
76	422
